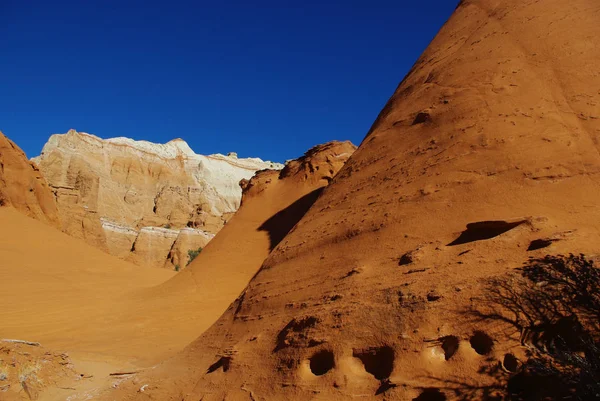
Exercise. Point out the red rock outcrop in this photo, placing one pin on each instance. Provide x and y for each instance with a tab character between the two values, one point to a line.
22	186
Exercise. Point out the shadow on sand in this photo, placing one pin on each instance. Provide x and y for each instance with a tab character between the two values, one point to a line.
281	223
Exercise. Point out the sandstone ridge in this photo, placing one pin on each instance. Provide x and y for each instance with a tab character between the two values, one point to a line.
488	147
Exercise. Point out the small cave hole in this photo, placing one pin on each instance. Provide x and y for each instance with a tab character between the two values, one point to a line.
406	259
539	244
510	363
450	345
421	118
431	394
322	362
433	296
378	361
482	343
483	230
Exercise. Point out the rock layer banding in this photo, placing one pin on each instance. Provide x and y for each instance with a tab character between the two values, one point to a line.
144	202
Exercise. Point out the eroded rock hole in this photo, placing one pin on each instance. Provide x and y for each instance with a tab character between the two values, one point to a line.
406	259
378	361
483	230
482	343
223	363
433	296
510	363
421	118
539	244
322	362
450	345
431	394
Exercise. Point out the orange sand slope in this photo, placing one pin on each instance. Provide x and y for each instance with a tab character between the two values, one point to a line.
80	299
55	289
488	144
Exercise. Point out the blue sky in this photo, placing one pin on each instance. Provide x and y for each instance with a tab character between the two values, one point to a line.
264	78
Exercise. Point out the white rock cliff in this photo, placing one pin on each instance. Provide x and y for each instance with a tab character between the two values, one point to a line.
145	202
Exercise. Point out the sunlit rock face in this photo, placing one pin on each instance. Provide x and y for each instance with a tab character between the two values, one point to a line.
133	198
22	186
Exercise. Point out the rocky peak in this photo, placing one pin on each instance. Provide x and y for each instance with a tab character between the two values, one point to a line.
321	162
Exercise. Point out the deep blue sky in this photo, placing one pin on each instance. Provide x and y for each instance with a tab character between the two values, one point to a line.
264	78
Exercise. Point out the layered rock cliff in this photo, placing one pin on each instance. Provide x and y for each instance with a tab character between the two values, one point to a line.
144	202
22	186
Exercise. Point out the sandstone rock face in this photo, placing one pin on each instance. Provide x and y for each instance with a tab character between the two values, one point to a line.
272	203
22	186
188	239
132	198
487	147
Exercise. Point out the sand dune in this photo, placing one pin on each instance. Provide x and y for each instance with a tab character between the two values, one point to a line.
68	284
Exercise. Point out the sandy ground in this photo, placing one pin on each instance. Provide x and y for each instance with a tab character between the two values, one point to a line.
67	295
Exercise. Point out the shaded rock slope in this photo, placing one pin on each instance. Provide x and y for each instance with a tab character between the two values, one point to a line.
488	145
144	202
